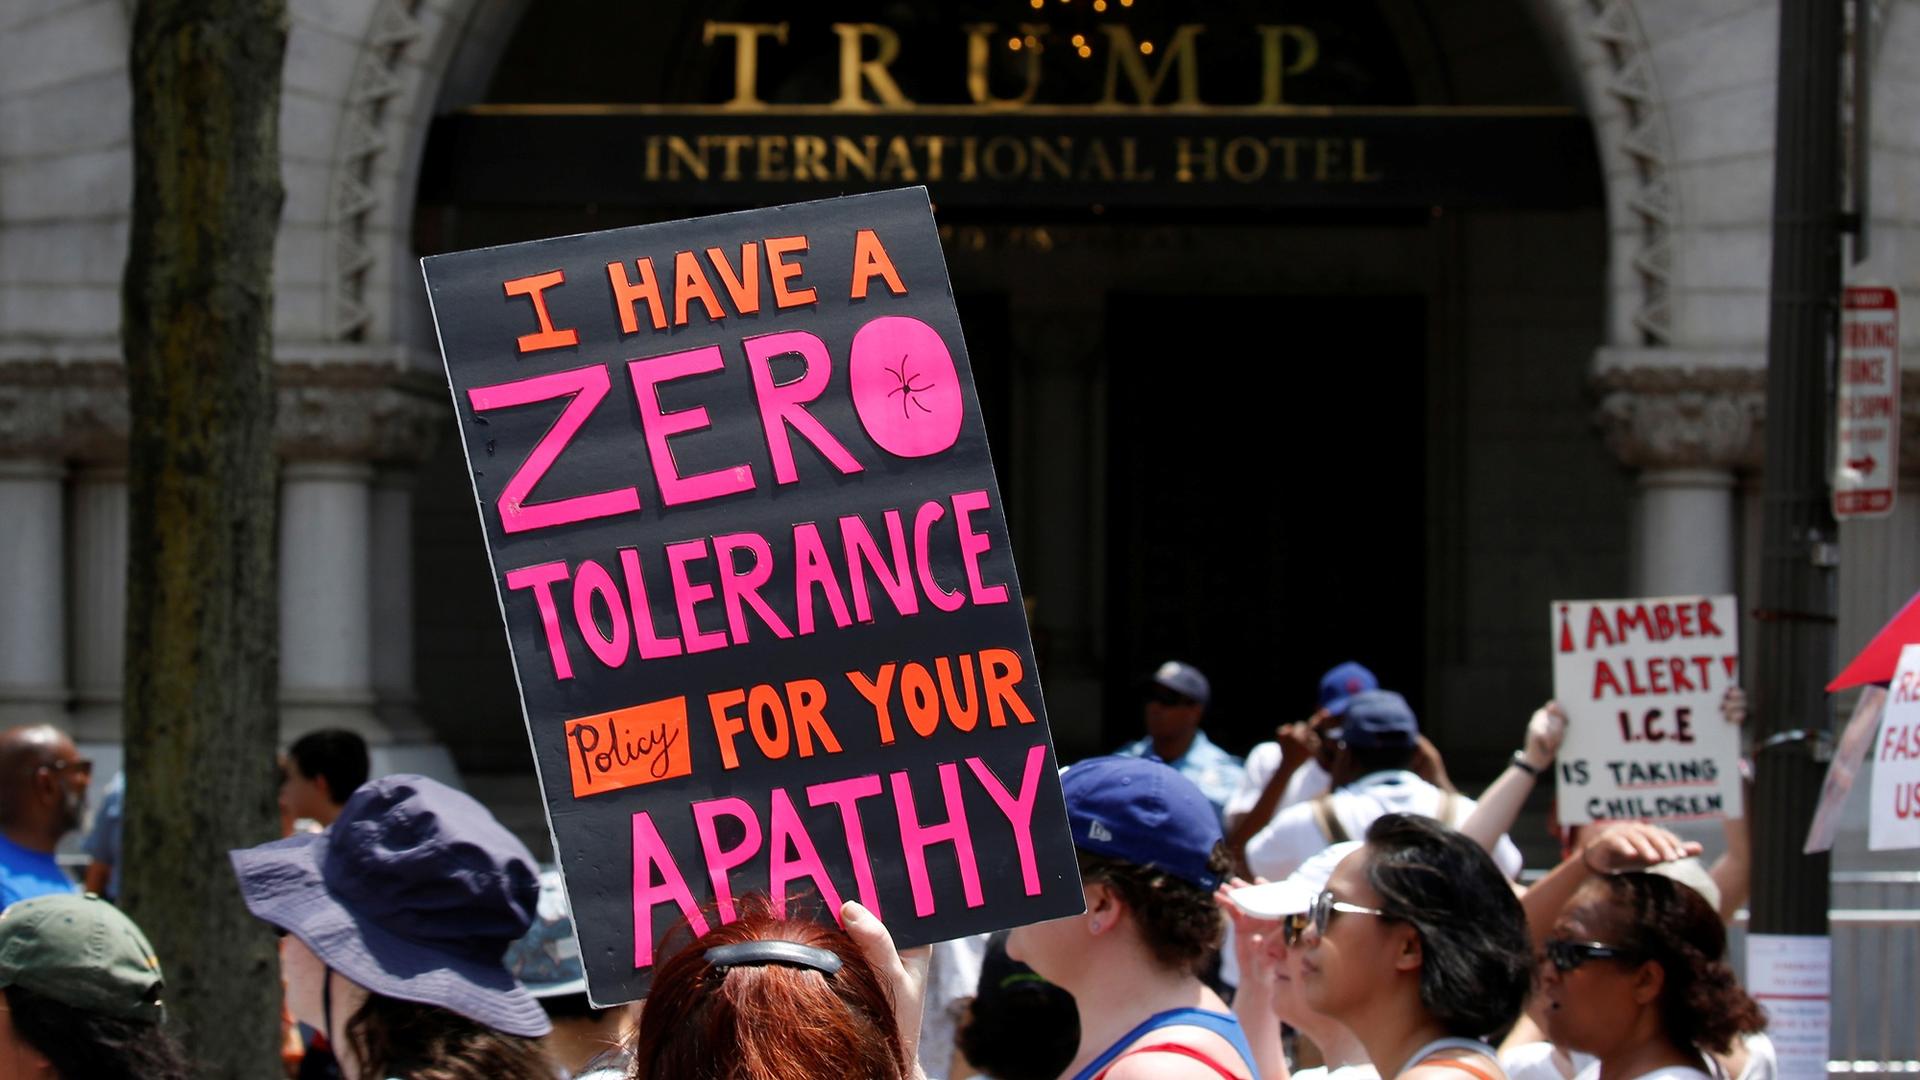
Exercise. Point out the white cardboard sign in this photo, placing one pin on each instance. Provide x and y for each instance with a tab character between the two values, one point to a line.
1791	976
1642	681
1867	426
1895	820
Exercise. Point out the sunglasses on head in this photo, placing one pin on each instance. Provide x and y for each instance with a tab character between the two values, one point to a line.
1325	905
1566	955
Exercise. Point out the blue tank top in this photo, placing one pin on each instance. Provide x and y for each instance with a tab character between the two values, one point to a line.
1220	1024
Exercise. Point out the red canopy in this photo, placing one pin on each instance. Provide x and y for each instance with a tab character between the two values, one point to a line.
1876	662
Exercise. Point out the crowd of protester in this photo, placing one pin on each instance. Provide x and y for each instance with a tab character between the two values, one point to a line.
1329	909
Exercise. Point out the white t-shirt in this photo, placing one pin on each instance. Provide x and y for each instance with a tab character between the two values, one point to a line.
1293	836
1263	761
1344	1072
1670	1072
1535	1061
1762	1063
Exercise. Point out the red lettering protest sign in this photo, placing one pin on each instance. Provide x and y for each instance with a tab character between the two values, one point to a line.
1894	821
1868	425
1642	682
755	574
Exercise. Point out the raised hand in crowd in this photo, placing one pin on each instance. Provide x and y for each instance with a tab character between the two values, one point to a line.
1613	847
1253	1003
1500	804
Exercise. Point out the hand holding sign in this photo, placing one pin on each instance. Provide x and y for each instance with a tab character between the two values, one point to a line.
1641	681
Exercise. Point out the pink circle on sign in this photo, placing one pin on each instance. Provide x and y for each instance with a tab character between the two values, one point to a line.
905	386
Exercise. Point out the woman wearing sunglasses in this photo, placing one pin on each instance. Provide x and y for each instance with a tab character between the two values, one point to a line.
1269	920
1636	975
1419	947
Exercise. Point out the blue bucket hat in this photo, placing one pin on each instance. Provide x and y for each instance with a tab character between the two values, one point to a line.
1341	682
1143	812
415	893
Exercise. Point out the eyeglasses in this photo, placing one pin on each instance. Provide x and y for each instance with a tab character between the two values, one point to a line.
1292	927
1160	695
83	766
1566	955
1325	905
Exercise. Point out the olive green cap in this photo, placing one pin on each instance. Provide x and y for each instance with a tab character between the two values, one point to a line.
82	952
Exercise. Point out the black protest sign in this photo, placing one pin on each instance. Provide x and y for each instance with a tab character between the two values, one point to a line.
755	575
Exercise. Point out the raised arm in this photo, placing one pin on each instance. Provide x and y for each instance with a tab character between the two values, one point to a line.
1498	806
1253	1004
1733	870
1609	848
1298	744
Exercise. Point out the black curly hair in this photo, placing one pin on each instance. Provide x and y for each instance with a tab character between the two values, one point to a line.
1180	921
79	1043
1663	921
1476	964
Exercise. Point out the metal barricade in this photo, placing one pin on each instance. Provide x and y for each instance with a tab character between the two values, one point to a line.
1875	922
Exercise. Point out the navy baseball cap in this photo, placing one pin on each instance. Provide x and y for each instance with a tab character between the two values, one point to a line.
415	892
1376	720
1342	682
1143	812
1184	679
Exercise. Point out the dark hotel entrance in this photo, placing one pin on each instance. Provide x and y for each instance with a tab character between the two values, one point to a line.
1275	310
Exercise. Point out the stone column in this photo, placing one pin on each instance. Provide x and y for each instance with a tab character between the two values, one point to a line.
1689	424
1684	532
33	632
352	429
99	594
326	590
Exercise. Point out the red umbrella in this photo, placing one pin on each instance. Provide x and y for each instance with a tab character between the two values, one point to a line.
1876	662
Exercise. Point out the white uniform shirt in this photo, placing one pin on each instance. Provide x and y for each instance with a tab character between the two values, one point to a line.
1306	782
1293	836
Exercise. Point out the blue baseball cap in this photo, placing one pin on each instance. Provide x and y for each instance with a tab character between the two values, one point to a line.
1343	681
1377	720
1143	812
1184	679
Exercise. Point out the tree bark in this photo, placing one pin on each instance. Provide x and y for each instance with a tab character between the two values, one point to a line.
202	617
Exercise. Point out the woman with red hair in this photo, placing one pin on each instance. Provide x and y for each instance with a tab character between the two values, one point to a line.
767	998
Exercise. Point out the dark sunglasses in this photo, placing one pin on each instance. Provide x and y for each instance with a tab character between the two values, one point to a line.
1325	905
1566	955
1293	927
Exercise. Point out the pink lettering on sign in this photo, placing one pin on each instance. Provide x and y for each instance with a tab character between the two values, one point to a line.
650	854
784	405
660	425
916	838
583	387
846	794
906	389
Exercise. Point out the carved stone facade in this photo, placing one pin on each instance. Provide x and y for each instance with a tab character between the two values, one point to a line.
372	412
1679	418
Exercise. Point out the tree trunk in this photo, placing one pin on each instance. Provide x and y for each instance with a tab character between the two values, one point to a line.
202	618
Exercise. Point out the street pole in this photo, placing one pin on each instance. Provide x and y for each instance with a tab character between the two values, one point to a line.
1794	652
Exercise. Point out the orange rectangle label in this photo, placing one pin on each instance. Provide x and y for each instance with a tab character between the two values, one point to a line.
628	747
